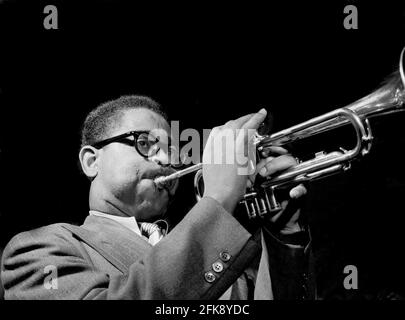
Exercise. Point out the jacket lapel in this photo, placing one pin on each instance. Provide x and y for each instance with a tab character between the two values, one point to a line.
117	244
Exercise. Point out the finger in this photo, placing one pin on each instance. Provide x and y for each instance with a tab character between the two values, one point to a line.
238	123
277	164
298	191
273	150
228	124
215	130
255	120
262	163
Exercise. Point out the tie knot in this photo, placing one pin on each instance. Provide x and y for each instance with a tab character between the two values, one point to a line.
148	228
152	231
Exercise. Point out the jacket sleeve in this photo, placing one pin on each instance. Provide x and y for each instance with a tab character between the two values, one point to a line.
199	259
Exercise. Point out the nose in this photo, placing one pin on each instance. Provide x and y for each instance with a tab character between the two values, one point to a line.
161	158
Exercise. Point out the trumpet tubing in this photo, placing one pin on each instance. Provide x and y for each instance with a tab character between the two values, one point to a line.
260	200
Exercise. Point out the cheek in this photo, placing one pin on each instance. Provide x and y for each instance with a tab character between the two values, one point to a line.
120	171
145	189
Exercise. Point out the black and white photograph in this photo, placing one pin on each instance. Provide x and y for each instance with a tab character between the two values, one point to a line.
202	151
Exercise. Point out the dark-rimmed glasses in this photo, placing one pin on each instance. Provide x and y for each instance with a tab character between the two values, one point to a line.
144	142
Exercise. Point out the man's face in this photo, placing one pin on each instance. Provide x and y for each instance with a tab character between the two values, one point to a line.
126	177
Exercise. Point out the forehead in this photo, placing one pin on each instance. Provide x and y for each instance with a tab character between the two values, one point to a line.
141	119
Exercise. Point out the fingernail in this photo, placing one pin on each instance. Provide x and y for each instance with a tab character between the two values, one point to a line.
263	171
294	194
262	111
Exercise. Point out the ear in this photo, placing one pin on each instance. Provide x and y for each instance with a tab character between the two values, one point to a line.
88	157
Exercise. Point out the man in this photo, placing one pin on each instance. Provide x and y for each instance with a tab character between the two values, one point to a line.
207	255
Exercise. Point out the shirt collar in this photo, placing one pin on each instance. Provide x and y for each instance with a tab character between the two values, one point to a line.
128	222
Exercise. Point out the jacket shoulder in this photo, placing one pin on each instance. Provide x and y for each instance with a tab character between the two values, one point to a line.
54	235
49	231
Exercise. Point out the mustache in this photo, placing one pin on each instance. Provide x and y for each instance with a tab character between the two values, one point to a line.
162	171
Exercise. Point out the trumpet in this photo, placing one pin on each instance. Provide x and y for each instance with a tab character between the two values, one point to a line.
260	200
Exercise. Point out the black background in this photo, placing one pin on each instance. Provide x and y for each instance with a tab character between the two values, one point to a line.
207	63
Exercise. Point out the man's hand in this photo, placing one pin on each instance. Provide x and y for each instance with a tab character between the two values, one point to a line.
226	159
280	160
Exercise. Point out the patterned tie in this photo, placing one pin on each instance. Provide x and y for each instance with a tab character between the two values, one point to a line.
152	231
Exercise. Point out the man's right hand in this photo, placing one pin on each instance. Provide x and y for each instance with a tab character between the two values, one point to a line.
226	159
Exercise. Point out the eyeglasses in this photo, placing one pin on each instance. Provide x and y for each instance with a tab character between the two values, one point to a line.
144	142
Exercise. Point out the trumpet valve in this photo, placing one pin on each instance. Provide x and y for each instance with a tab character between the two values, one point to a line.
274	205
258	205
251	204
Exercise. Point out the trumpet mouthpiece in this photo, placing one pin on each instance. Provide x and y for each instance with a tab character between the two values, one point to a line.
165	182
159	181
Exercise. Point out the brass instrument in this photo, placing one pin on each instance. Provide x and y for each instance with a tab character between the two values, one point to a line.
259	201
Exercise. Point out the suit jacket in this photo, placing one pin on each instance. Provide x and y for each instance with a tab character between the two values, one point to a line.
200	258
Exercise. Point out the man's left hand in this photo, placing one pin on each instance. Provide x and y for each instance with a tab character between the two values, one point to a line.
277	159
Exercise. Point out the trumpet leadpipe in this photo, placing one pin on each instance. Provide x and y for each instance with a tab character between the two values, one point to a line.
162	180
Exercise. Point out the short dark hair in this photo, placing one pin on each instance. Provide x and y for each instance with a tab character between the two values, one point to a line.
103	118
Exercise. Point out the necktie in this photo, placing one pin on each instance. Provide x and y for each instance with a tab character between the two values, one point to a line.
152	231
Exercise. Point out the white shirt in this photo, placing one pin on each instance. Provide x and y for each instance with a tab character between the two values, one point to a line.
128	222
